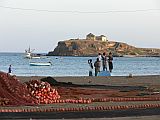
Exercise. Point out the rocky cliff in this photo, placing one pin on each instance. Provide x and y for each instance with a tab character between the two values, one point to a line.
92	48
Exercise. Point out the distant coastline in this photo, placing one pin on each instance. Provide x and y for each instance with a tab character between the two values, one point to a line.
141	56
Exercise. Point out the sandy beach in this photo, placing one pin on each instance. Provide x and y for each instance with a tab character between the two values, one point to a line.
113	86
150	80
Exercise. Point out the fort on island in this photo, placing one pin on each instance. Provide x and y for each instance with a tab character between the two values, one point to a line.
92	44
91	36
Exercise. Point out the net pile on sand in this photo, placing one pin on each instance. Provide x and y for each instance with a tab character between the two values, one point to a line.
42	91
13	92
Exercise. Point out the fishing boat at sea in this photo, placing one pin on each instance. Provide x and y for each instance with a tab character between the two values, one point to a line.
40	63
30	55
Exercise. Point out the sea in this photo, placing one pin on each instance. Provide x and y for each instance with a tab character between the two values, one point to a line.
77	66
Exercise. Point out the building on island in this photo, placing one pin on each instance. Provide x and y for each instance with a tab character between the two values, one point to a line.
91	36
101	38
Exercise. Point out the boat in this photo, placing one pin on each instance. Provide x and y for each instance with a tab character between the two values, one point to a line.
40	63
30	55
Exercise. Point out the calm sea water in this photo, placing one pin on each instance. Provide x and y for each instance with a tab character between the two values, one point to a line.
77	66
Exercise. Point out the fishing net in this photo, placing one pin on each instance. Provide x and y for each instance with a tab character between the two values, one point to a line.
13	92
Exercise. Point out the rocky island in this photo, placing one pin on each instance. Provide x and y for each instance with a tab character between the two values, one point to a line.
92	45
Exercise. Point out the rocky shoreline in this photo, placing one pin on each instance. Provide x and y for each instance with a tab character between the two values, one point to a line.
84	47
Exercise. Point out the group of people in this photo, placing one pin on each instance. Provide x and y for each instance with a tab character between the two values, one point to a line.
101	59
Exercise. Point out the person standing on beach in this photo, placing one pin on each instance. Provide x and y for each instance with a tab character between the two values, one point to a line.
104	61
99	57
110	62
90	67
10	69
97	66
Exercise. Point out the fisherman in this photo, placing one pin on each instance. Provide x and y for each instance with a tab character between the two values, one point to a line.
97	66
99	56
104	62
110	62
10	69
90	67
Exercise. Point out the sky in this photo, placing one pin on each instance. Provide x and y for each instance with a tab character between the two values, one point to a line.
40	24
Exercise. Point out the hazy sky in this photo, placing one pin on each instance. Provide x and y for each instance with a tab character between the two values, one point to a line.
42	27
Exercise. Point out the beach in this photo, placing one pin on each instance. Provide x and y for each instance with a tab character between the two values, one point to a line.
149	80
83	60
116	109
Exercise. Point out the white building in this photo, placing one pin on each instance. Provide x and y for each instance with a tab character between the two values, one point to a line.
91	36
101	38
